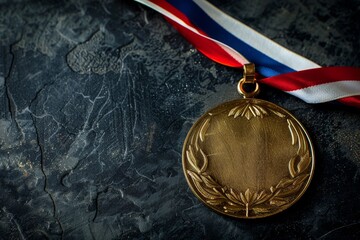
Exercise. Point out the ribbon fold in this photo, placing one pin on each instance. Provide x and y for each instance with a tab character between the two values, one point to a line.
229	42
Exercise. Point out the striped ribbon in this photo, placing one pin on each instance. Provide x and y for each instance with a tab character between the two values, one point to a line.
232	43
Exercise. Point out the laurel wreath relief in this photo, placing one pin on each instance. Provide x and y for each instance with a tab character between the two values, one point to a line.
227	199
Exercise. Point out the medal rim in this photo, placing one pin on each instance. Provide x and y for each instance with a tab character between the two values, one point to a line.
280	209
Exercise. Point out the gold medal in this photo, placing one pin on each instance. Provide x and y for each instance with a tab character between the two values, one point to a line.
248	158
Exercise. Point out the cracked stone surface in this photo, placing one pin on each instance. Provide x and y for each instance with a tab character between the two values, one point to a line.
96	98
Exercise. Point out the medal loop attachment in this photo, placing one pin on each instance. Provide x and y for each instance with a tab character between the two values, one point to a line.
248	80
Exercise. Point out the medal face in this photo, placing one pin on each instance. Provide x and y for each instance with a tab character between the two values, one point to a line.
248	158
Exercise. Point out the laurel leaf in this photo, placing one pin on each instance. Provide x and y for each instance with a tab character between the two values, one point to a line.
192	139
194	176
248	114
215	202
205	161
292	166
216	192
245	109
192	160
302	143
203	192
243	199
247	195
264	197
285	182
233	201
234	194
278	202
251	108
292	131
229	208
277	113
253	198
304	163
262	110
238	112
209	181
245	112
203	129
257	112
260	195
260	210
300	179
197	147
232	111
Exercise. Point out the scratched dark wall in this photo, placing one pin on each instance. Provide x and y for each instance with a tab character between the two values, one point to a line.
96	98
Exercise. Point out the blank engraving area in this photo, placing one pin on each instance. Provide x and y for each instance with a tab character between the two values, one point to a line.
248	153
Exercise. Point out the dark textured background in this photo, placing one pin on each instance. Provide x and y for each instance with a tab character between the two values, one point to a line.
96	98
